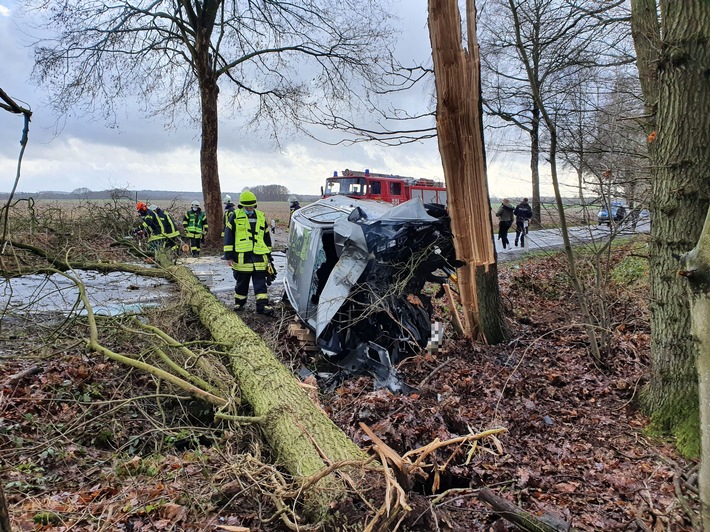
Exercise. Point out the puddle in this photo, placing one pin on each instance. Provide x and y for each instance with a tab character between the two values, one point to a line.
118	292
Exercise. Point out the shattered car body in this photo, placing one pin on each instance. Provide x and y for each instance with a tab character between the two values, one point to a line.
355	273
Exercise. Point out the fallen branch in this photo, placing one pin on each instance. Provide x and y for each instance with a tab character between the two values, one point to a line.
12	379
93	344
519	517
57	264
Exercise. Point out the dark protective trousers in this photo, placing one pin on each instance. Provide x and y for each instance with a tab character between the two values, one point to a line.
520	232
195	244
241	290
503	233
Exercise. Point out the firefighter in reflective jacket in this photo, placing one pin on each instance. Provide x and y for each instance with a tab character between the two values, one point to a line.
159	226
247	247
228	209
195	224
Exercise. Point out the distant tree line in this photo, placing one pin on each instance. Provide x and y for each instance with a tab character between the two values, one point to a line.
263	193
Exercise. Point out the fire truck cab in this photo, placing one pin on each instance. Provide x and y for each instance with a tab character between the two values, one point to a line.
392	189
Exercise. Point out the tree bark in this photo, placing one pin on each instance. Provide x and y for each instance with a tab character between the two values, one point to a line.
696	268
209	169
680	61
459	130
535	165
303	439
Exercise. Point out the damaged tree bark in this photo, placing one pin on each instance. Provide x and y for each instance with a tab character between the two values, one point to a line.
459	129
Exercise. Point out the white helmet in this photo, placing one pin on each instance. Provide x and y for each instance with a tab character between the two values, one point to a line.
153	207
195	203
292	199
227	198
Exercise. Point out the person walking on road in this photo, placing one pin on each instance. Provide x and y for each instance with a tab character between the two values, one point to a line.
523	214
247	248
505	216
195	224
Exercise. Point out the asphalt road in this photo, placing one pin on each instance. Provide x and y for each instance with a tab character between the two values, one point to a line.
547	239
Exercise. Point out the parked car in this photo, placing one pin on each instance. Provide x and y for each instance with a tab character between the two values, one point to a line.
355	270
618	213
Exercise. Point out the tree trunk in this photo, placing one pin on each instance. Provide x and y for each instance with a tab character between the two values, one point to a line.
696	267
209	170
493	325
535	166
303	439
680	156
458	119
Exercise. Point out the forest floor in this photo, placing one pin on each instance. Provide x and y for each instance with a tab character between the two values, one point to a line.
87	444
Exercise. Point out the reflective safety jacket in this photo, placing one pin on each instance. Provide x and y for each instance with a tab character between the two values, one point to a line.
247	241
159	224
195	223
228	209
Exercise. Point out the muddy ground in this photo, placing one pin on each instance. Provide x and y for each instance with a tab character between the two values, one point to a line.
88	444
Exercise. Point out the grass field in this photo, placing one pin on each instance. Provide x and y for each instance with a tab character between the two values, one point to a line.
72	209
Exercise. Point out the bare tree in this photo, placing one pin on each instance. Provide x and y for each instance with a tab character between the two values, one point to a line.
557	40
273	62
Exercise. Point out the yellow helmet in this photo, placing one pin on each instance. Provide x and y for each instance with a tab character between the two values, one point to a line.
247	199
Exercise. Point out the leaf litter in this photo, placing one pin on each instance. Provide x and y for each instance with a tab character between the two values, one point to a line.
90	445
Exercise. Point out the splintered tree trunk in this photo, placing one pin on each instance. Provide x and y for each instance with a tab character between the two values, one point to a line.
458	122
673	63
302	437
696	267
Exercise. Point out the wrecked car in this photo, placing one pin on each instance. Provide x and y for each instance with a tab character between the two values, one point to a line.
355	271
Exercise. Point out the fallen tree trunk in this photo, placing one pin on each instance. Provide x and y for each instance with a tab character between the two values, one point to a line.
304	440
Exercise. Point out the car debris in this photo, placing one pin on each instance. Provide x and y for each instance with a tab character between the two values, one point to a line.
355	271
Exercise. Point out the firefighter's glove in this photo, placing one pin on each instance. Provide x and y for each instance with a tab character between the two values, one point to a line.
270	274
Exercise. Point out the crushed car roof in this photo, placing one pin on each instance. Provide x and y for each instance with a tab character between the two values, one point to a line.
355	273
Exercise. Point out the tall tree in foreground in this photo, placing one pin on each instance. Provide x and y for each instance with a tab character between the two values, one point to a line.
459	128
674	62
696	267
271	61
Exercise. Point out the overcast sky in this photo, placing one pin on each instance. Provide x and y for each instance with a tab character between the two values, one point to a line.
65	153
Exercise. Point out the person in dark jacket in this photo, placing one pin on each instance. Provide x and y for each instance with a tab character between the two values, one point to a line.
293	206
159	226
247	247
228	208
523	214
195	224
505	216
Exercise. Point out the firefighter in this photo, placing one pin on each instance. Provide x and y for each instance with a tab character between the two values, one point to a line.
159	226
228	208
293	206
195	224
247	248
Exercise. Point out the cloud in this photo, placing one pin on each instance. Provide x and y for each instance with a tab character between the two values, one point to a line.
76	151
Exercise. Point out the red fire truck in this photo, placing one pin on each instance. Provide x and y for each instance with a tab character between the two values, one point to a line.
392	189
